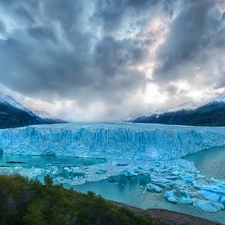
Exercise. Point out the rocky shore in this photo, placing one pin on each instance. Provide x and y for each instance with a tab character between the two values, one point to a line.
171	217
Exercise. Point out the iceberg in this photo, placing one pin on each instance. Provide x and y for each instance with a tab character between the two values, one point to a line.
186	197
170	196
212	196
115	140
153	188
207	206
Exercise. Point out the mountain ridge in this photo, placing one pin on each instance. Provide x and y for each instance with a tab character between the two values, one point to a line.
13	114
47	116
211	113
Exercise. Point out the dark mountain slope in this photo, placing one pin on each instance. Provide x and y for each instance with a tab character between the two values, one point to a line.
211	114
11	116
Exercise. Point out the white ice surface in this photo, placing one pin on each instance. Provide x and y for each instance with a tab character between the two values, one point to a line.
115	140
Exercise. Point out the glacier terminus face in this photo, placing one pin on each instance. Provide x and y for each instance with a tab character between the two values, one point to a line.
115	140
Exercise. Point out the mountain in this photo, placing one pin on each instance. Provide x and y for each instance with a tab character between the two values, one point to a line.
13	114
186	106
212	113
47	116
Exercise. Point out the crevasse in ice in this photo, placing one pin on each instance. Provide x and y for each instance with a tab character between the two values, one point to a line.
115	140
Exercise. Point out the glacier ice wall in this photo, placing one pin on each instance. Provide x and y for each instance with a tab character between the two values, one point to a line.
115	140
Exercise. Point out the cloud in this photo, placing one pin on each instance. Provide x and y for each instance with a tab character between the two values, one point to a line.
52	52
195	32
92	52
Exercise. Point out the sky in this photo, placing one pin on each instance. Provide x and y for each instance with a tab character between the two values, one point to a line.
104	60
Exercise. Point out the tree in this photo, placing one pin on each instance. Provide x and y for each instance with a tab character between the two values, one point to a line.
48	180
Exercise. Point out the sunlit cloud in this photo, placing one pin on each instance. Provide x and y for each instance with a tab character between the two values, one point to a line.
153	94
222	8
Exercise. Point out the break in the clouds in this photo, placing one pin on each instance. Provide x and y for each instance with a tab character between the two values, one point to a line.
106	59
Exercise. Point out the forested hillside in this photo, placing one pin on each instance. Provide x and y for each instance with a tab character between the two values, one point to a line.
28	202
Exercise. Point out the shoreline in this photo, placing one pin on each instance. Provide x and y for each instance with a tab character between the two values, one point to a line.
170	217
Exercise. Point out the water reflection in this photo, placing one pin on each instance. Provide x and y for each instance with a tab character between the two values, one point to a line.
210	162
42	161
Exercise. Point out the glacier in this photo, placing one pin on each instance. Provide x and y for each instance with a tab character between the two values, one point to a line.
114	140
152	150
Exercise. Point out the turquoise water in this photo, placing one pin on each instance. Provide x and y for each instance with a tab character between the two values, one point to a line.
42	161
131	191
210	162
39	166
128	190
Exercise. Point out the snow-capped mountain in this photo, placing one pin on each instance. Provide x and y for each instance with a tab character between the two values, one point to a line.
186	106
211	113
13	114
6	99
47	116
219	99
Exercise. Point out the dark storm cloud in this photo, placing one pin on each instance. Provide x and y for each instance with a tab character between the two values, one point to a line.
89	50
172	90
112	14
54	51
197	29
2	28
22	12
112	55
42	33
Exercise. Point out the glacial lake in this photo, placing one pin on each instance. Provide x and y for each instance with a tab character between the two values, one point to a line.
126	189
210	162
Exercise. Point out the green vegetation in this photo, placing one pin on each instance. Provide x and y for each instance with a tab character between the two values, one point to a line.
24	201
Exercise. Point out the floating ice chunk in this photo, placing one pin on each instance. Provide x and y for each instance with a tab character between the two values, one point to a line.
128	174
170	196
186	197
186	200
176	173
218	182
171	177
159	179
188	178
68	169
212	196
210	187
153	188
185	194
201	176
101	171
207	206
222	199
